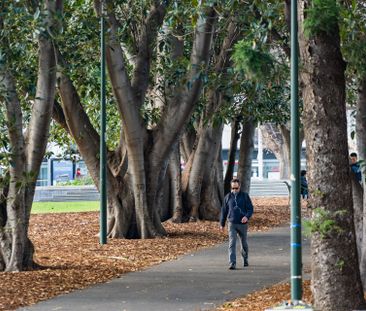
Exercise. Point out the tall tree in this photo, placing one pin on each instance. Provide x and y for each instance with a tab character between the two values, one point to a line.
334	270
202	179
246	153
353	39
133	189
277	139
26	151
234	138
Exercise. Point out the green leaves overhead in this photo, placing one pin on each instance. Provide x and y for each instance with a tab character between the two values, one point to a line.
253	61
321	17
256	60
353	36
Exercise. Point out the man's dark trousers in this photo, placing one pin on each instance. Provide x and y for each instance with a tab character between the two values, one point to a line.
234	230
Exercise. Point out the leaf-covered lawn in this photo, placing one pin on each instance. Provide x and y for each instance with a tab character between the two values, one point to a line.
67	246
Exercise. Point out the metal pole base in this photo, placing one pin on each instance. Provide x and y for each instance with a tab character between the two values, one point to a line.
295	305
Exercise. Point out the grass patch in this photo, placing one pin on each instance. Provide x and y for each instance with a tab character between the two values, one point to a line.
64	207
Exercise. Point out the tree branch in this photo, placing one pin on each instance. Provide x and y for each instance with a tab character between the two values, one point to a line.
181	106
38	130
77	121
222	62
272	138
59	117
117	160
148	37
15	129
126	100
274	33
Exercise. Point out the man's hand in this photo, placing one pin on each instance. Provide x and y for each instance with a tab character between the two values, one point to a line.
244	220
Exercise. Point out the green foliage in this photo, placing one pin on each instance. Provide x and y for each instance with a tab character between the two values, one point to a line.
252	60
353	36
79	43
83	181
321	17
324	223
150	114
258	84
318	193
340	264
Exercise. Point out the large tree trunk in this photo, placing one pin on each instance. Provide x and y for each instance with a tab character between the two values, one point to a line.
235	127
12	232
333	247
16	250
136	191
212	191
246	154
177	113
357	198
200	175
176	204
121	215
179	109
188	143
285	169
361	150
277	140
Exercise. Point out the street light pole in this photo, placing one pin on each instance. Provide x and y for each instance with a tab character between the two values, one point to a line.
296	271
102	148
296	248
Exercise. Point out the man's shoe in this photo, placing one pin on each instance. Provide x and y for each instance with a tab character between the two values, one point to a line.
232	267
246	264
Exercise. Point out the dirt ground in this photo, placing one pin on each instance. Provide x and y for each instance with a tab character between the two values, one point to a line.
67	248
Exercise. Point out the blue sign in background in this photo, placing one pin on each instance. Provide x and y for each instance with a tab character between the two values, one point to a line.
62	170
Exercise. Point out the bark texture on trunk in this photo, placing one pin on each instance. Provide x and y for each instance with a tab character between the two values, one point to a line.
361	150
333	244
277	140
357	197
235	127
201	175
16	250
187	143
13	230
176	205
285	168
246	154
213	191
361	122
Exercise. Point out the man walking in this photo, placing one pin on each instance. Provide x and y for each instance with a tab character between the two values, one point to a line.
237	209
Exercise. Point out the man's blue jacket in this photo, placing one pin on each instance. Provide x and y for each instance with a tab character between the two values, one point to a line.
235	207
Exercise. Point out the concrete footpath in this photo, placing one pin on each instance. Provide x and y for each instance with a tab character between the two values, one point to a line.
198	281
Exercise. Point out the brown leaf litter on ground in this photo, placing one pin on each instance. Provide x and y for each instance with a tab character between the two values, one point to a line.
267	298
67	247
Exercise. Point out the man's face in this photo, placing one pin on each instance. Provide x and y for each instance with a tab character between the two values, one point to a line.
353	160
235	187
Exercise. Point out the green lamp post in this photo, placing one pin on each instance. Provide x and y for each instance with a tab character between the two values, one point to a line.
296	271
102	148
296	248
